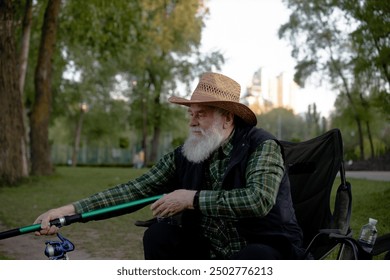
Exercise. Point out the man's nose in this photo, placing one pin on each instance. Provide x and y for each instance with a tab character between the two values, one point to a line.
194	120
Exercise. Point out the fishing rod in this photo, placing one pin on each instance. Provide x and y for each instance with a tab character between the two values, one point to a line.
99	214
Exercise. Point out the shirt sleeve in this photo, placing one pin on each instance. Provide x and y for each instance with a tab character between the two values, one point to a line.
153	182
264	173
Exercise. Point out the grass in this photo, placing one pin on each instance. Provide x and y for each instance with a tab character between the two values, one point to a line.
117	237
370	199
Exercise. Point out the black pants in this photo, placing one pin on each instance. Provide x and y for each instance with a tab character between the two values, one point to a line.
170	242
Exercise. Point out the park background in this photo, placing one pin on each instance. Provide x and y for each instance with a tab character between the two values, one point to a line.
85	84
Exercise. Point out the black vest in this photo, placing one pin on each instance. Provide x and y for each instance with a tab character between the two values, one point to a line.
279	227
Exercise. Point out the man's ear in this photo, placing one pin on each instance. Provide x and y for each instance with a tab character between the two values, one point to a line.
229	120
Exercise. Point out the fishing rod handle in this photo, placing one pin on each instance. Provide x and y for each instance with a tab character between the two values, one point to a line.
66	220
63	221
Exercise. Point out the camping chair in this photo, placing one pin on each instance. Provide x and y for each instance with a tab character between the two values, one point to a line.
312	167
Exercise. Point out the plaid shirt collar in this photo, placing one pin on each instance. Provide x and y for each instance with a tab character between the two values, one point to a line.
227	146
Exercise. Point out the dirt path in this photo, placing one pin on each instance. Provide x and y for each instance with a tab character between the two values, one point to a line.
31	247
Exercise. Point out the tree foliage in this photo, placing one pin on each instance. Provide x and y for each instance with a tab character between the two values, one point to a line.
346	44
145	47
284	125
122	58
112	55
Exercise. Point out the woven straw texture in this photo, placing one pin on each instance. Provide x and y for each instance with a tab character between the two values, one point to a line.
220	91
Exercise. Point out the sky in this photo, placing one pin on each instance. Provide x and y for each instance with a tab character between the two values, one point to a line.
246	32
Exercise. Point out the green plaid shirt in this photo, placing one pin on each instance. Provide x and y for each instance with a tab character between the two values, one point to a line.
220	208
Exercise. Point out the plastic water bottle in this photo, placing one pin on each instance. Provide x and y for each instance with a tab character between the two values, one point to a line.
368	235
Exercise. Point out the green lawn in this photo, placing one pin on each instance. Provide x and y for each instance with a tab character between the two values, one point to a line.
19	206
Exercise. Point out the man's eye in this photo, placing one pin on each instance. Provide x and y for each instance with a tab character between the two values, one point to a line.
196	115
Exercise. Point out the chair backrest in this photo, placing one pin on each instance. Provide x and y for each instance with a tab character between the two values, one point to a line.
312	167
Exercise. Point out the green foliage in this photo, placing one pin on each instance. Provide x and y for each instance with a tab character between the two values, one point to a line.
123	143
136	50
343	118
103	123
283	124
346	44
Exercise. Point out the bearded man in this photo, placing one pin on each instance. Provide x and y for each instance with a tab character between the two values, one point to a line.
226	192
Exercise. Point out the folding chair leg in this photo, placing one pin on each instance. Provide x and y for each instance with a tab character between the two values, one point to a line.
347	253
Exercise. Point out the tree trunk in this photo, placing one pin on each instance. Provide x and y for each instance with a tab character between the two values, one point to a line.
352	105
370	140
155	143
144	145
41	109
23	61
157	119
360	136
11	120
26	34
76	146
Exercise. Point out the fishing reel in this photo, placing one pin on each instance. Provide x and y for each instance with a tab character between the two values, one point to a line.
56	250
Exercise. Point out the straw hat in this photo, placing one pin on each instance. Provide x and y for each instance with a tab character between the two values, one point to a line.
219	91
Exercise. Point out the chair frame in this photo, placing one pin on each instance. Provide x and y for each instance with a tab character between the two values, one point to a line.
337	231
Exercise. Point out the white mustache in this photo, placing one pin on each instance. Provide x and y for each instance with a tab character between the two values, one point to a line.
197	129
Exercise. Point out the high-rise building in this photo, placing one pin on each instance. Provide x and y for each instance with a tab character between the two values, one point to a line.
269	91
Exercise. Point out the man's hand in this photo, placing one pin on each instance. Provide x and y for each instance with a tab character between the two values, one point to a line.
173	203
52	214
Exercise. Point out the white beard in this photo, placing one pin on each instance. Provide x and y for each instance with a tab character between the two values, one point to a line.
198	148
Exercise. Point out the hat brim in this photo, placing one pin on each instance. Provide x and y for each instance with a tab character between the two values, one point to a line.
240	110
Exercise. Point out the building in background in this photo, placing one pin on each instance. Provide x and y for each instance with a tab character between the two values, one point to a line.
268	91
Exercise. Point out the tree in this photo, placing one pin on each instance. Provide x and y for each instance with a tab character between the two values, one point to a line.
173	38
284	124
371	37
23	62
150	45
343	117
325	40
41	109
11	121
313	121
